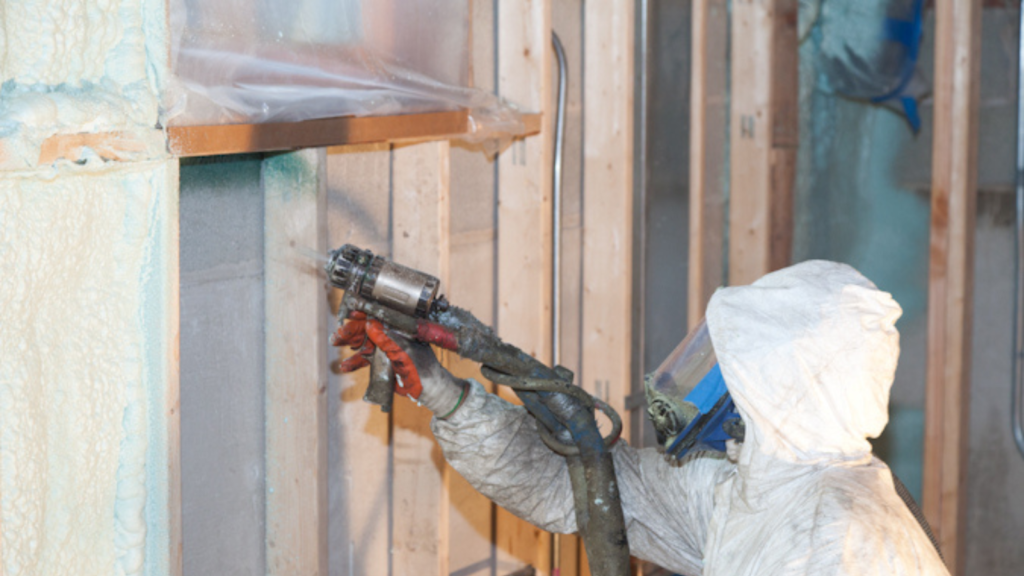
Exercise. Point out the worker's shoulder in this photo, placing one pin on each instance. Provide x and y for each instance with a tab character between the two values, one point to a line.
863	502
859	510
856	487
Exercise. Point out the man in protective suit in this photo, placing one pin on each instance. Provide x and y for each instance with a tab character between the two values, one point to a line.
808	355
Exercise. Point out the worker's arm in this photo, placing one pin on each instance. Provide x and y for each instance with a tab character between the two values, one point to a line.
496	447
667	508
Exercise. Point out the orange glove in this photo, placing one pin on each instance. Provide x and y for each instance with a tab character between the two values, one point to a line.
366	336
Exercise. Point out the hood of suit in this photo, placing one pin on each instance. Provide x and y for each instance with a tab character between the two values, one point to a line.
808	354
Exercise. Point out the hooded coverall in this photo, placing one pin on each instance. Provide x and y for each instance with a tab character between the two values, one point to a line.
808	354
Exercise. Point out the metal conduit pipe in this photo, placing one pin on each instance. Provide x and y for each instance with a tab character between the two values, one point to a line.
556	248
1016	395
556	244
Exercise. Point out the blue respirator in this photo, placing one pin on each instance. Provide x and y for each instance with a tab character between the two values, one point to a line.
688	402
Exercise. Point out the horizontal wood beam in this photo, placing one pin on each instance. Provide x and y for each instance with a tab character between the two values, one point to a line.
188	141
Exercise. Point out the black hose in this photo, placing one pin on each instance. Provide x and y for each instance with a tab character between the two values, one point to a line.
915	511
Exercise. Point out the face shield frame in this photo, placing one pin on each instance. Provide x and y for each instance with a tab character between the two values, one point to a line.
688	401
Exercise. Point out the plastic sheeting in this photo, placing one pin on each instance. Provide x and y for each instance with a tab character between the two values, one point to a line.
238	61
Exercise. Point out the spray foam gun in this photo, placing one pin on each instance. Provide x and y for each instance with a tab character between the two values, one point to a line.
406	301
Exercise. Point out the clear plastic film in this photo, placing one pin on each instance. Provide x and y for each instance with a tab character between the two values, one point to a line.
238	61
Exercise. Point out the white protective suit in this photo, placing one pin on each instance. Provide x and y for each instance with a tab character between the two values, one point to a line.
808	354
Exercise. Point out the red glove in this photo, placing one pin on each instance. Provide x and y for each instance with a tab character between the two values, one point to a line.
366	336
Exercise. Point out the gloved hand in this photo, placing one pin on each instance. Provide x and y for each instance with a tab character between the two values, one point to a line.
421	376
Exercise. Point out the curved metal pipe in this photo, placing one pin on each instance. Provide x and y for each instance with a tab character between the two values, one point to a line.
556	243
556	248
1016	396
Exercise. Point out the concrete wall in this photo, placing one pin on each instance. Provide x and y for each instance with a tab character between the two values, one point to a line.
995	478
222	366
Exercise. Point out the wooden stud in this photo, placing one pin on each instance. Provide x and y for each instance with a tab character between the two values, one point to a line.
358	211
763	136
294	186
471	546
950	287
524	230
471	286
707	153
172	357
608	203
421	240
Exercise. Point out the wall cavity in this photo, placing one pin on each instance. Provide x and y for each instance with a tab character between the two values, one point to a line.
222	367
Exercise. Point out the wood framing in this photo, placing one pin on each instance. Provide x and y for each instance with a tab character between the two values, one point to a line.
186	141
708	125
294	186
524	230
763	136
951	268
172	368
117	146
241	138
358	211
608	203
421	240
472	286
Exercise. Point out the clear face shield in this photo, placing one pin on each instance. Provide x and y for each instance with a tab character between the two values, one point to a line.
687	400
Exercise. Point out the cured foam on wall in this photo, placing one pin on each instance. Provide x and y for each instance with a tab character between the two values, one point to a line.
88	277
81	66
